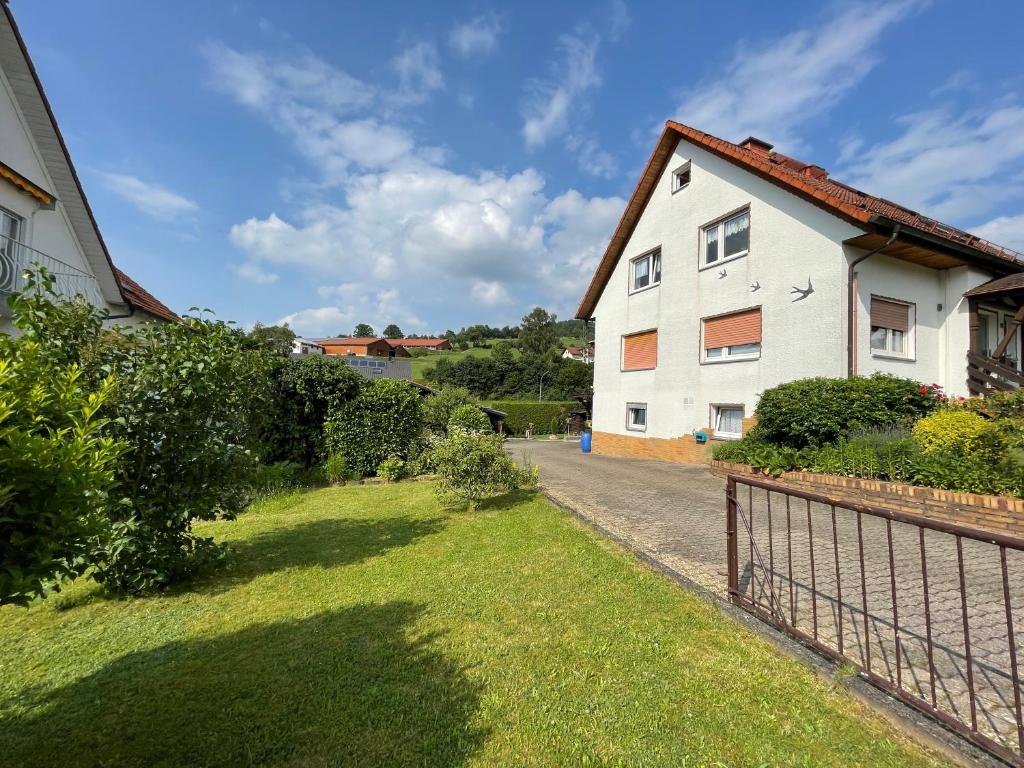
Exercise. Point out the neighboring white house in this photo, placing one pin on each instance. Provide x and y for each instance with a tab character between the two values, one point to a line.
730	273
301	346
583	354
44	215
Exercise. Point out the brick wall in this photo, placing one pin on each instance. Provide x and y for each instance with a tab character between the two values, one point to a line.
1002	514
683	449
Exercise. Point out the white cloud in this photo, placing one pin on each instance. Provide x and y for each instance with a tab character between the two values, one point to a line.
489	293
319	322
551	101
476	37
255	273
771	89
953	166
152	199
1007	231
419	73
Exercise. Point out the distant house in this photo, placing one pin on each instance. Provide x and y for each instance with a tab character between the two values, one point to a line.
362	346
45	218
301	346
431	344
579	353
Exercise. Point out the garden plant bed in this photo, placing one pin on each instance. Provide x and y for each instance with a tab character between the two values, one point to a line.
368	626
1001	514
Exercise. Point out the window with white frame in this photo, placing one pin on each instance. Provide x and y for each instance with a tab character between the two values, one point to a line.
11	233
729	421
725	239
636	417
734	336
891	324
681	178
645	271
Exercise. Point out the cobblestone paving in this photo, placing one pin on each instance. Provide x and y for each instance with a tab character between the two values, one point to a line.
676	514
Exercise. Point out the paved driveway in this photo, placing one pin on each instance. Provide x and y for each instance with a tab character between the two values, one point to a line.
676	514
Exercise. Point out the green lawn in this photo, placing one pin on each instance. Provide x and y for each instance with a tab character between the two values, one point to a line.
365	626
420	364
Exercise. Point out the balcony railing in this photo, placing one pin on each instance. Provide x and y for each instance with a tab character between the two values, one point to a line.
69	282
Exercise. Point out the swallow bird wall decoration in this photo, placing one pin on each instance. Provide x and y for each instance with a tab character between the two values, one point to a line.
721	274
755	287
804	292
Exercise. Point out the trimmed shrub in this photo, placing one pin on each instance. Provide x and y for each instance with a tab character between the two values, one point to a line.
952	430
392	469
547	416
383	420
305	392
470	419
439	407
819	411
473	465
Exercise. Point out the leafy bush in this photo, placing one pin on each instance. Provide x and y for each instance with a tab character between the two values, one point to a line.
819	411
473	465
470	419
336	468
952	430
439	407
384	419
972	472
56	470
280	476
392	469
547	417
305	392
189	402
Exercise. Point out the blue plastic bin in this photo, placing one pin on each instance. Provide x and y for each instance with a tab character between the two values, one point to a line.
585	441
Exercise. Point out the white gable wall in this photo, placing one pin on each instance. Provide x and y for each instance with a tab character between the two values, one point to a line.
791	241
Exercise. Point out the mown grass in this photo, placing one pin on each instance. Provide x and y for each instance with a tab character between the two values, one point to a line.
420	364
368	627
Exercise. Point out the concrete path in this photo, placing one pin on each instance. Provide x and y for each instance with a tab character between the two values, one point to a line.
676	515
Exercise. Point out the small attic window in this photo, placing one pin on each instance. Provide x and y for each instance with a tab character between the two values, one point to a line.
680	178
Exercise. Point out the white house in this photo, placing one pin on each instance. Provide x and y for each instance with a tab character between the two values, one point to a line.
45	217
583	354
301	346
733	269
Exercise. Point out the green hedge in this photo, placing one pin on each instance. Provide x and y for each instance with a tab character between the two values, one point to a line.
547	417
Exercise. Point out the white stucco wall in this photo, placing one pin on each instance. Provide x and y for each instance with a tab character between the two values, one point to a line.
47	231
791	241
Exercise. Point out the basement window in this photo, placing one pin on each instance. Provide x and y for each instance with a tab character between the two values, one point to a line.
636	417
729	421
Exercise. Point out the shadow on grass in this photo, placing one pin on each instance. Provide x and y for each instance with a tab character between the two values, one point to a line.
506	500
347	687
326	543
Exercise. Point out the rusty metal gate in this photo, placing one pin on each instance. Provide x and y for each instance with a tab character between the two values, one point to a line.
927	610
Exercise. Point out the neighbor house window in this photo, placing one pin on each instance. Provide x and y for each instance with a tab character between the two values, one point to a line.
729	421
646	270
636	417
640	351
728	238
890	326
736	336
681	178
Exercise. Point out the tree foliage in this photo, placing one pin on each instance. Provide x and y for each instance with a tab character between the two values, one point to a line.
439	407
383	420
537	332
392	331
363	330
470	419
275	339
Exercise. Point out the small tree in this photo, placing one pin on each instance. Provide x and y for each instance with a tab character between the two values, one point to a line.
473	465
392	331
469	418
363	330
537	333
275	339
439	407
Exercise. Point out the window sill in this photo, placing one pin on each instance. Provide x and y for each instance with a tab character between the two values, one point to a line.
720	262
635	429
725	436
737	359
635	370
896	358
645	288
680	189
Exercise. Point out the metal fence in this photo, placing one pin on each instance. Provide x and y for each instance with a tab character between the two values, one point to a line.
16	257
927	610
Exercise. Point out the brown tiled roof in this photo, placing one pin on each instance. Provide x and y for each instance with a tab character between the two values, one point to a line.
355	341
806	180
1009	284
140	298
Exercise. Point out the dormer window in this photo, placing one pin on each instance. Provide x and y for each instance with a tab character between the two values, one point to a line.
645	271
680	178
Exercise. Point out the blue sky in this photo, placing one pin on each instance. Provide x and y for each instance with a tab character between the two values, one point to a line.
442	164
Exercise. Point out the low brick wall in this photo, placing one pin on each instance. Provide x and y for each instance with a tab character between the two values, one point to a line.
684	450
1001	514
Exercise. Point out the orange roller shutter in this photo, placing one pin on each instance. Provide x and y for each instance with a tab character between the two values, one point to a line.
640	351
890	314
730	330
